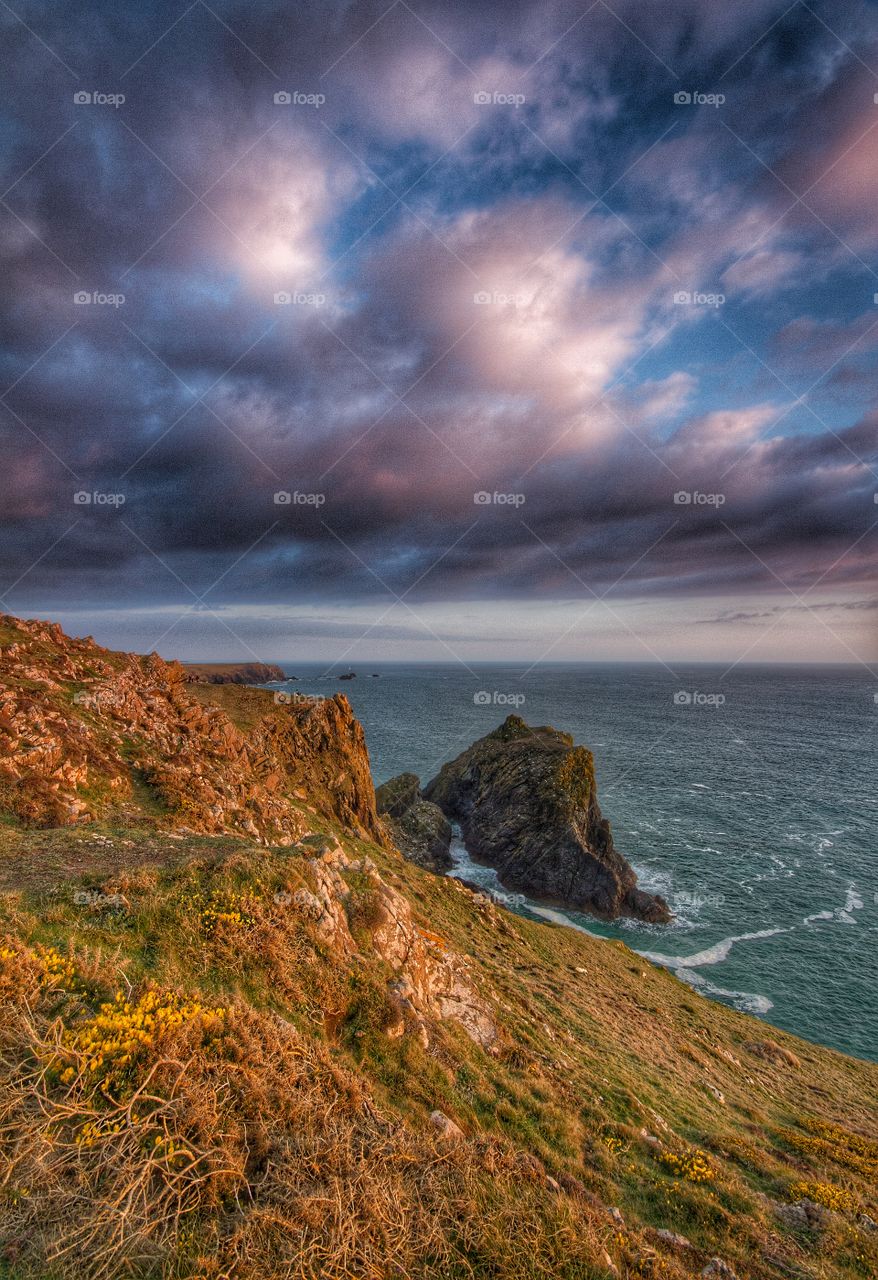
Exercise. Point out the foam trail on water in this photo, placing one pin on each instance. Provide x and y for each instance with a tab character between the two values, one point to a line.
465	868
747	1001
853	902
711	955
486	878
559	917
684	967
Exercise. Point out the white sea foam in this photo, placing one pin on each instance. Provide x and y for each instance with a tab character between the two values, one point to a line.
475	873
747	1001
843	915
853	901
652	880
711	955
559	917
685	967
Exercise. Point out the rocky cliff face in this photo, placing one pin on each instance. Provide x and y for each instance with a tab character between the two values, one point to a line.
526	800
431	981
86	732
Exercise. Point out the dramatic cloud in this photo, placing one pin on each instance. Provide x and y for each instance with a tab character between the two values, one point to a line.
519	304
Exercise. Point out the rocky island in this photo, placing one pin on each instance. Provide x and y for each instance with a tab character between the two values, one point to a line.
526	801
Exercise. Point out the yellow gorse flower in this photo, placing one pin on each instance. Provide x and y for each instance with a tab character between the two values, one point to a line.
57	970
226	908
831	1197
830	1142
694	1166
123	1029
21	967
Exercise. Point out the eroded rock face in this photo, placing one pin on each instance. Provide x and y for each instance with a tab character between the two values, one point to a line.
85	732
526	801
431	980
420	829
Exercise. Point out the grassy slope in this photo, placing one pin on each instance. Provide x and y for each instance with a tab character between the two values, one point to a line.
330	1168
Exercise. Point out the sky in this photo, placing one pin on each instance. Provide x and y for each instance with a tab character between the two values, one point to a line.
442	332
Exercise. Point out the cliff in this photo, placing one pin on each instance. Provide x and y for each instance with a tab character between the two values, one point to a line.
232	672
526	801
86	733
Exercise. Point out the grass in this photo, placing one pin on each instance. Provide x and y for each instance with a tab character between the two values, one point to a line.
265	1124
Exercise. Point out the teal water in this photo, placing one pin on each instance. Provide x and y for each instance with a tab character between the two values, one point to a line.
755	816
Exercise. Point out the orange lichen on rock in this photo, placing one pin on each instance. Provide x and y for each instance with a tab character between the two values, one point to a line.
86	733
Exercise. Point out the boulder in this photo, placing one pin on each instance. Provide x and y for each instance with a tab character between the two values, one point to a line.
803	1215
526	801
446	1126
718	1269
420	828
673	1239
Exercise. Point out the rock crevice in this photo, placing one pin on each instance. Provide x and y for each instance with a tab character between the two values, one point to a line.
430	980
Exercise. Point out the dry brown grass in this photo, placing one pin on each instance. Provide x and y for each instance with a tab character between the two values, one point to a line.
294	1138
251	1155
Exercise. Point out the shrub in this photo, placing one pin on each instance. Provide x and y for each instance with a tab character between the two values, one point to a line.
694	1166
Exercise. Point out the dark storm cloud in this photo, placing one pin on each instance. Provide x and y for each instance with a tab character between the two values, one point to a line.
497	330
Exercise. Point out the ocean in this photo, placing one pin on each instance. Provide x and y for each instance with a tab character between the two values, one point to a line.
747	798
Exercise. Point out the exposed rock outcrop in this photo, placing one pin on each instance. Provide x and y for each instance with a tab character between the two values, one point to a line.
445	1126
526	800
803	1215
396	796
420	828
85	732
430	980
232	672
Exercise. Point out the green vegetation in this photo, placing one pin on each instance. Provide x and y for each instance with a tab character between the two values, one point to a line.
178	1039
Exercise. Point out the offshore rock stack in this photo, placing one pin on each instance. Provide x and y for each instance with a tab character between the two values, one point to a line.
526	801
